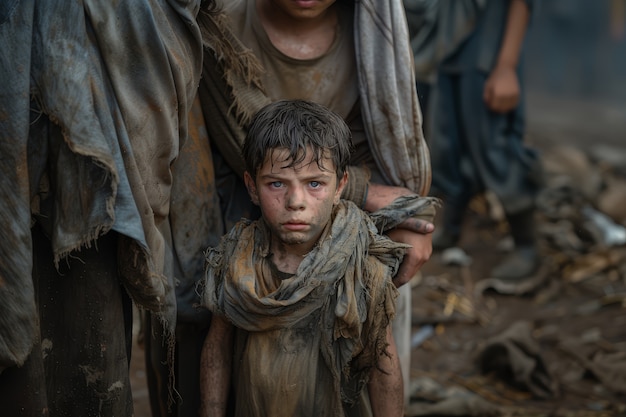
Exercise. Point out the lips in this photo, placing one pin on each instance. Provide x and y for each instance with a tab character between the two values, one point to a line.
305	4
295	226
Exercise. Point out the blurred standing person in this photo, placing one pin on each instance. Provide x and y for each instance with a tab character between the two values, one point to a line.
477	135
435	32
93	103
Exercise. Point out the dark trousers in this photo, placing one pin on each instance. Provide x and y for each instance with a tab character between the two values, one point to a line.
80	365
183	397
474	149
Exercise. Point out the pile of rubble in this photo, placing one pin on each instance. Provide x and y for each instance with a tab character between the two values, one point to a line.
563	351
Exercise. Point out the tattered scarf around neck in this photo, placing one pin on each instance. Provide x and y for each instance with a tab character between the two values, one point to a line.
347	277
351	266
336	261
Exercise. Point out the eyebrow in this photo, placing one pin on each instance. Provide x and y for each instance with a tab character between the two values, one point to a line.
278	176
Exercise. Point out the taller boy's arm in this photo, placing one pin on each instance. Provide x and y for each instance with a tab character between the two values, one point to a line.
215	368
502	89
386	387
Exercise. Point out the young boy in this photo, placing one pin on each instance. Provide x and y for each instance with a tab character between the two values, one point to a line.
302	299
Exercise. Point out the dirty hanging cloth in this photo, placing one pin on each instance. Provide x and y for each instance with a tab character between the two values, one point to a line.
111	84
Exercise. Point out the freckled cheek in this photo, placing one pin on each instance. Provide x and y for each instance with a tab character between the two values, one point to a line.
271	206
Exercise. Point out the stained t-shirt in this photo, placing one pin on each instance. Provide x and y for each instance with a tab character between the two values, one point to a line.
330	79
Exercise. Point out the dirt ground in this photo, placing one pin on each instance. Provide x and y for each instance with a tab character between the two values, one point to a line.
558	349
540	331
566	332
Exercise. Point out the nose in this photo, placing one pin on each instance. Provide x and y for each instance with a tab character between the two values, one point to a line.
295	198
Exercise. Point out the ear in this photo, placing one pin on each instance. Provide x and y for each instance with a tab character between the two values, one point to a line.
340	186
251	186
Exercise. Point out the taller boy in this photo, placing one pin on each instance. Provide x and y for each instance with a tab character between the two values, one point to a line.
352	57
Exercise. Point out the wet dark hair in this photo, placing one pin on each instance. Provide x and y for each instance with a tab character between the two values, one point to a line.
294	125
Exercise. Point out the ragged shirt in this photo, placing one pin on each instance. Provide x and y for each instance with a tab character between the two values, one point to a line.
304	345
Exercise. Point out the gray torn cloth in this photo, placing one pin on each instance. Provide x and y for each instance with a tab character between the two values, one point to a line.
429	398
401	209
607	367
515	357
391	111
93	110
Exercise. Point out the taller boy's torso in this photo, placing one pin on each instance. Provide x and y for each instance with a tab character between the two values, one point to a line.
330	79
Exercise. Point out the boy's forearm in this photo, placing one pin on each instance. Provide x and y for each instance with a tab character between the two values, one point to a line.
215	368
516	26
386	387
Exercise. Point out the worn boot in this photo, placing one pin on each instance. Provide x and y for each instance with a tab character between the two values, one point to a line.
524	260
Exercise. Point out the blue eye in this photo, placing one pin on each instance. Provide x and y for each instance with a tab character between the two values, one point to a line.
276	184
315	184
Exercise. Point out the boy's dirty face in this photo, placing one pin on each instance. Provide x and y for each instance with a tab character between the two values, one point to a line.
296	202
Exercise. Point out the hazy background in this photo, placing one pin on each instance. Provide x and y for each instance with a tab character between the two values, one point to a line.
575	69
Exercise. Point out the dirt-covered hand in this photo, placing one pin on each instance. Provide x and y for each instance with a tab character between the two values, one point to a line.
415	257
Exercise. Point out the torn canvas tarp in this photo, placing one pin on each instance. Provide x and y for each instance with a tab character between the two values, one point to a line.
93	109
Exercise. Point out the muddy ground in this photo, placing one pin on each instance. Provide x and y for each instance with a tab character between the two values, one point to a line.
566	334
565	331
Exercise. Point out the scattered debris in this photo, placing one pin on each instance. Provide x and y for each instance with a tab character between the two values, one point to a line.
516	358
455	256
558	348
429	398
423	334
605	230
